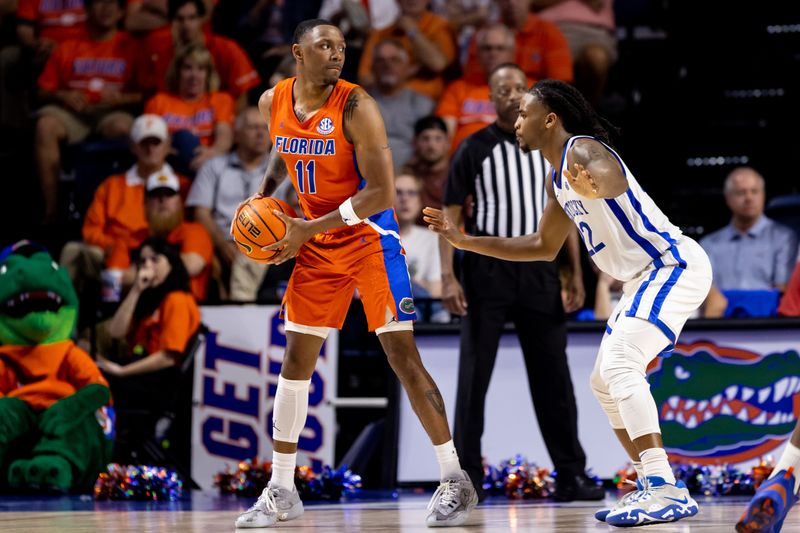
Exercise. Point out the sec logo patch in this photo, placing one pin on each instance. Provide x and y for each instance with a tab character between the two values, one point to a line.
325	126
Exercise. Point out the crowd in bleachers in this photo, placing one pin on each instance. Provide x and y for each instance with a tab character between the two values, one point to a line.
144	126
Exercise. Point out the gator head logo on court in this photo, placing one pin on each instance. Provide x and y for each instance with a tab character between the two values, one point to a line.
407	305
725	405
325	126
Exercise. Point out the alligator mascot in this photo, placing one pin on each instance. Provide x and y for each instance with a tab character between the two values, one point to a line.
56	423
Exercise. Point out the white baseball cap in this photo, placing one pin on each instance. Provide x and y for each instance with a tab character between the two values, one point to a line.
163	179
149	126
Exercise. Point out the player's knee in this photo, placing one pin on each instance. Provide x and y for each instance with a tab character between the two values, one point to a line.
622	369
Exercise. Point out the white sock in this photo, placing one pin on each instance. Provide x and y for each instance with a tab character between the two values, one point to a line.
655	463
283	469
637	465
449	467
790	457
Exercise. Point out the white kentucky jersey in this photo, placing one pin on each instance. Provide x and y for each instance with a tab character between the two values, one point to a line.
624	235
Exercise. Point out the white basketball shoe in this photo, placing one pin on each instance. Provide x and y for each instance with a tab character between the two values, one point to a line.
452	502
276	504
658	501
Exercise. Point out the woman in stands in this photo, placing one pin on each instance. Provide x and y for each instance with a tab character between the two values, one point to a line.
158	317
199	117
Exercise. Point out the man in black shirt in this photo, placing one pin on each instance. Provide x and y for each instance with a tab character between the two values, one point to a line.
508	191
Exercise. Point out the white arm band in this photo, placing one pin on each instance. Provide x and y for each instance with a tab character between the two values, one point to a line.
348	214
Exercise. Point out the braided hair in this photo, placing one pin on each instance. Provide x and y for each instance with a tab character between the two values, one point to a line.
574	111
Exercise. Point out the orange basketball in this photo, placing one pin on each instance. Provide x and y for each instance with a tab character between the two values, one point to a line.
256	226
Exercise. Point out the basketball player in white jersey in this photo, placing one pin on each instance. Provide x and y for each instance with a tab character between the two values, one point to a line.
667	276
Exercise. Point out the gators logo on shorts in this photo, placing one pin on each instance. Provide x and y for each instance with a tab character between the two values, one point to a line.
407	305
725	405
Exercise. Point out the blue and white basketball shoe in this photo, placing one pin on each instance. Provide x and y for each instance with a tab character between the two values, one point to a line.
622	502
657	502
768	508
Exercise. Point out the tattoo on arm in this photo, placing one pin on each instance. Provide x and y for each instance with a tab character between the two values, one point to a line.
275	174
435	398
351	105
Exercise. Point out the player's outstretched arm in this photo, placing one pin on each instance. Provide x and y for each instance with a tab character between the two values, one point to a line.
543	245
595	173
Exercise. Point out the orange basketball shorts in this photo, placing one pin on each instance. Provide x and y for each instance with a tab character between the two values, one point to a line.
331	266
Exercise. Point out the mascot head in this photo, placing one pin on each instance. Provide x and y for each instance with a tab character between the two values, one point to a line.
38	304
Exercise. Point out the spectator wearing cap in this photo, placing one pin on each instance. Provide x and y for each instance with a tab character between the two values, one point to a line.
86	83
116	216
236	72
752	252
163	209
430	160
400	106
220	186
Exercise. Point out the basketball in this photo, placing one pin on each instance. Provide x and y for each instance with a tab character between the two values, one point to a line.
256	226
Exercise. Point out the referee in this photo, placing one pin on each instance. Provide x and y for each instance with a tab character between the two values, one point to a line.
508	194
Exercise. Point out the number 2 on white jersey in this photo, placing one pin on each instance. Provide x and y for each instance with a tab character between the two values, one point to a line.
593	248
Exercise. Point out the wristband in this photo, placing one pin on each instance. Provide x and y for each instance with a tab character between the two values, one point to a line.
348	214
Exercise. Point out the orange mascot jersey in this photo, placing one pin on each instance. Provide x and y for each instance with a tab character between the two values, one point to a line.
368	256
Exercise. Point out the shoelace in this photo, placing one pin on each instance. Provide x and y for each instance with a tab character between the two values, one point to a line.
642	494
445	494
267	498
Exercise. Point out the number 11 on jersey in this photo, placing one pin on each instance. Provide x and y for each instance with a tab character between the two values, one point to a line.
302	174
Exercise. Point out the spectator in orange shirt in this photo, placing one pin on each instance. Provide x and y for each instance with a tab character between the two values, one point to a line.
236	72
86	82
199	118
155	321
141	349
116	216
465	105
427	38
542	51
41	25
163	208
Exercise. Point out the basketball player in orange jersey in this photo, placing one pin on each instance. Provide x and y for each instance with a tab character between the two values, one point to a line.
329	139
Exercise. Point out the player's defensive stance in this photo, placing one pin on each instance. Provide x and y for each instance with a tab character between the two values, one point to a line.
329	138
667	276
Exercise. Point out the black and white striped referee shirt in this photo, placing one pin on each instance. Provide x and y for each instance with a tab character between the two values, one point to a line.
506	184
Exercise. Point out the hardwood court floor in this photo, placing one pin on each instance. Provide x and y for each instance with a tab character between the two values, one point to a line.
404	514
